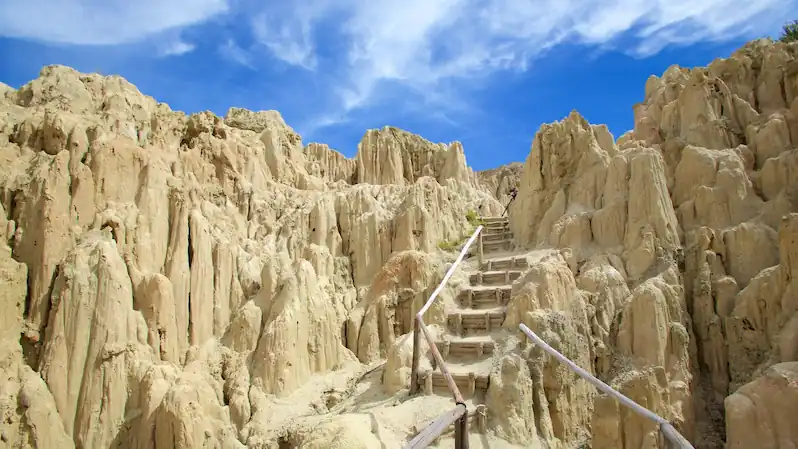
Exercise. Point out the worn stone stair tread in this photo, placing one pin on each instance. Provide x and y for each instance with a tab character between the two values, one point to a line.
480	302
480	312
471	338
484	292
501	256
495	237
505	263
467	347
499	229
461	375
509	255
475	321
492	234
489	220
464	381
498	272
494	242
465	366
495	228
494	278
488	288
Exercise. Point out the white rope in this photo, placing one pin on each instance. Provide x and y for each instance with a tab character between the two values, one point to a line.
679	440
449	273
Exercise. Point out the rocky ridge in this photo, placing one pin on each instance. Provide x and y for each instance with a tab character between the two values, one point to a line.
183	281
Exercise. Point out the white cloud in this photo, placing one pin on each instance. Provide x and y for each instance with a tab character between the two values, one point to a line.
176	47
286	28
287	40
233	52
101	22
356	46
423	43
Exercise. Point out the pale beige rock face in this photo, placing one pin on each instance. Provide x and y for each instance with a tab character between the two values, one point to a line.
393	156
30	418
499	181
184	269
762	413
679	237
198	281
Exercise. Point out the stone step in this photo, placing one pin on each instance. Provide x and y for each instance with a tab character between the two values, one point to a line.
495	220
495	225
498	245
505	264
485	297
461	347
494	237
470	322
469	384
499	277
495	228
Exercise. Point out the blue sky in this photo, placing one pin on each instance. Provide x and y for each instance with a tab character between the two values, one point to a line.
485	72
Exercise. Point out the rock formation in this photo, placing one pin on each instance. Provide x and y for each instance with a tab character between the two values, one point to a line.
174	257
681	235
175	280
501	180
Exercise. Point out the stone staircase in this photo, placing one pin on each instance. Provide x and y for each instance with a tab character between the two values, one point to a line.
469	345
496	235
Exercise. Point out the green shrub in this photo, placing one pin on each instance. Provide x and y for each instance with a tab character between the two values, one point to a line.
473	219
789	32
447	245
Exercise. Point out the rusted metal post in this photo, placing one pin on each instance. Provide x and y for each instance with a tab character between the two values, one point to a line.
414	386
461	432
480	252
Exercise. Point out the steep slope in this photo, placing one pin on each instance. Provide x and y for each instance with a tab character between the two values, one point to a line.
173	257
681	237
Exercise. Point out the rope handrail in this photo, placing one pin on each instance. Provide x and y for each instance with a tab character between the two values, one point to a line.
667	430
428	435
449	273
460	413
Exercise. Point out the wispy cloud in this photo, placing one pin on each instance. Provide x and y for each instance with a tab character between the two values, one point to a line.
425	44
287	29
175	47
101	22
233	52
361	47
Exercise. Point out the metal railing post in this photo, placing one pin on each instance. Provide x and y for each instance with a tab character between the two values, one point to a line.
461	432
414	387
480	252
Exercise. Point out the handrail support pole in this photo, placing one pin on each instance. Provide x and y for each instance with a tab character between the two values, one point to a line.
461	432
414	386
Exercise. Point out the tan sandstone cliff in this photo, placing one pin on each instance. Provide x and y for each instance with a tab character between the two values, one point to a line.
179	281
682	235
